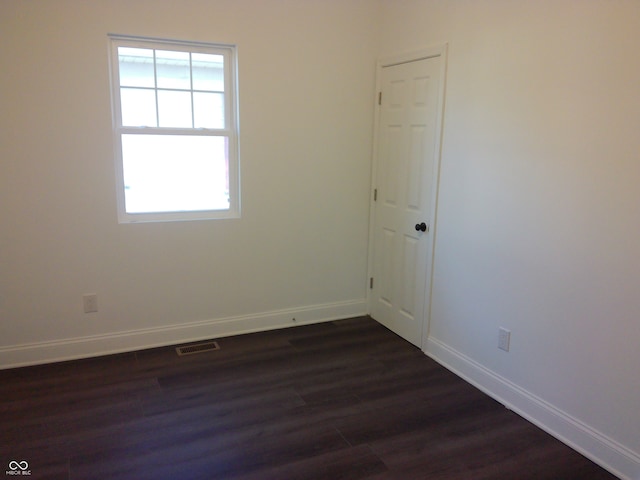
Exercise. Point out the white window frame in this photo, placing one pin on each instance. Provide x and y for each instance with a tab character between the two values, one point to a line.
230	130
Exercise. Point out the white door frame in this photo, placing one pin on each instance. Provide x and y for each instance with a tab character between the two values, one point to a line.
388	61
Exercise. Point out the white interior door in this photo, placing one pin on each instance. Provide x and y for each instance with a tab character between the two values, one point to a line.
405	185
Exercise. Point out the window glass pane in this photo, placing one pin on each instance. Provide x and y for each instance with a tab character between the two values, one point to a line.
208	109
138	107
172	69
174	108
208	72
173	173
136	67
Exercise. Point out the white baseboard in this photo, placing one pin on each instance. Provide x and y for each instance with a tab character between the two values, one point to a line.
604	451
97	345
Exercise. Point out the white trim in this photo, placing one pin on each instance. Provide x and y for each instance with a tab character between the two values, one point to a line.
118	342
591	443
414	55
435	191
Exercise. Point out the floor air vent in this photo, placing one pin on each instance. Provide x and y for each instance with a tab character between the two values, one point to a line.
197	348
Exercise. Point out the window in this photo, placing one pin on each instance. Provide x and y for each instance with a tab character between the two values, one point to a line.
175	130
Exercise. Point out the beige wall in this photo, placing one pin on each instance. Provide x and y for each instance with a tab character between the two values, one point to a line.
306	73
539	215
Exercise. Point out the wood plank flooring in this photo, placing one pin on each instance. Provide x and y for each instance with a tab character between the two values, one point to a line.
339	400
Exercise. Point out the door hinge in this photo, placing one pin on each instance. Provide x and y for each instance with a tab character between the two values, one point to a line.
380	98
371	282
375	194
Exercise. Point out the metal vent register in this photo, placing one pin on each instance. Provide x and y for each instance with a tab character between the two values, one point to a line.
197	348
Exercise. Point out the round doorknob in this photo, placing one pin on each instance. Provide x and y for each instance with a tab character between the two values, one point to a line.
421	227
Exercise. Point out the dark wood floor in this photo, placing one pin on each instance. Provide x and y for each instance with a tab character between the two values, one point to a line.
341	400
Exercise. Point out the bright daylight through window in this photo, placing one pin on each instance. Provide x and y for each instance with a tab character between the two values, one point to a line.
175	129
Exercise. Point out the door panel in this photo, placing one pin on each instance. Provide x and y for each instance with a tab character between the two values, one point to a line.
387	262
406	154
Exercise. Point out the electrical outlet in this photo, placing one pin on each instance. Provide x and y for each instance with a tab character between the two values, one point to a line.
504	337
90	302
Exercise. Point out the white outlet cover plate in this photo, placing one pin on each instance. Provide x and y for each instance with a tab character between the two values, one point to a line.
504	338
